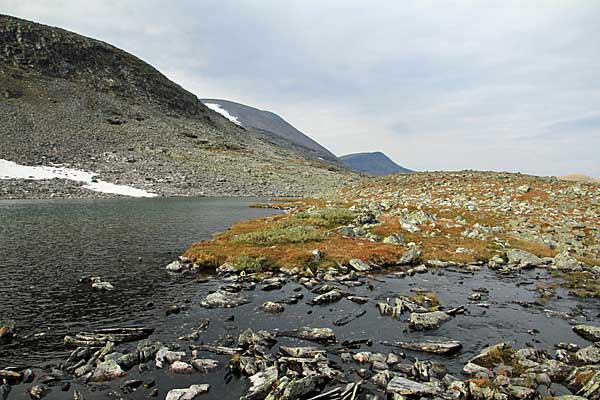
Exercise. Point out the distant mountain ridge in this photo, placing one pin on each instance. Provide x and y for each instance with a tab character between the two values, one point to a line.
375	163
268	123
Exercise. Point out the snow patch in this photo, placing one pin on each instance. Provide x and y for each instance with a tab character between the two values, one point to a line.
217	107
12	170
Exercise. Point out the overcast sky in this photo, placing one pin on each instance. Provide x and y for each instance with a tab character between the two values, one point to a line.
497	85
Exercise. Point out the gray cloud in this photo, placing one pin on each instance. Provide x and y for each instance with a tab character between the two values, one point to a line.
436	85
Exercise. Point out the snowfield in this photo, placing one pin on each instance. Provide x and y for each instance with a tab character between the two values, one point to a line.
12	170
216	107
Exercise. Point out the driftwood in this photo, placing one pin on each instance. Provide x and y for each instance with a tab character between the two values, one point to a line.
100	337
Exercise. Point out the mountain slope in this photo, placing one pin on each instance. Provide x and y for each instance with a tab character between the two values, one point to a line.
72	100
375	163
269	124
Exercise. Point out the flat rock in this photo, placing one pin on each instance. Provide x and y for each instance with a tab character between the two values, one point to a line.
223	299
426	321
522	258
359	265
430	346
406	387
187	394
588	332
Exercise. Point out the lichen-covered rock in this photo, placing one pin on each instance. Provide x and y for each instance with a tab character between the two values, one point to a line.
187	394
406	387
523	258
588	332
272	307
567	262
223	299
427	321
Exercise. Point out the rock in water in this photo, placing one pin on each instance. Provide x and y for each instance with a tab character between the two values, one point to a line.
262	383
359	265
223	299
436	347
187	394
406	387
588	332
326	298
313	334
7	330
272	307
426	321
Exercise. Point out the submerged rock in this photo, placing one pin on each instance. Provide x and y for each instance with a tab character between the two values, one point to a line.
187	394
223	299
426	321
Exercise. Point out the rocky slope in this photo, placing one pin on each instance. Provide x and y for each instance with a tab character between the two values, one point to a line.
375	163
77	101
272	126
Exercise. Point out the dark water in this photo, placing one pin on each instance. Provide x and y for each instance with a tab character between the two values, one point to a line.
47	246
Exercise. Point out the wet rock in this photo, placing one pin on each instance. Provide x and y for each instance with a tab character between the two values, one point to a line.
522	258
261	384
411	257
180	367
430	346
420	269
473	369
101	337
187	394
147	349
7	330
204	364
298	388
9	376
175	266
224	300
358	299
38	391
107	370
406	387
426	321
301	352
272	284
312	334
272	307
77	395
327	298
588	332
359	265
493	354
99	285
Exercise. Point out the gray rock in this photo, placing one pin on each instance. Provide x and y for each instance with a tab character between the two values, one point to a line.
588	332
107	370
223	299
272	307
326	298
430	346
395	239
313	334
567	262
522	258
175	266
426	321
412	256
261	384
187	394
204	364
359	265
180	367
589	355
406	387
102	286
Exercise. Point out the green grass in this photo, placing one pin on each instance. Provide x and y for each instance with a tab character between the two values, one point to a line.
325	218
253	264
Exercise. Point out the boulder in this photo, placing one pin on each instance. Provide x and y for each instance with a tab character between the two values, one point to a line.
412	256
204	364
430	346
565	261
223	299
180	367
261	384
426	321
359	265
326	298
395	239
107	370
406	387
588	332
187	394
589	355
522	258
272	307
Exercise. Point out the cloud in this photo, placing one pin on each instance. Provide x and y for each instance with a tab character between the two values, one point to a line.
435	85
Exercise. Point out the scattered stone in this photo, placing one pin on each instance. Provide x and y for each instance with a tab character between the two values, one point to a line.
427	321
223	299
326	298
187	394
406	387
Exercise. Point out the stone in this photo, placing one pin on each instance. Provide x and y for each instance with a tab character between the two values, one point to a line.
187	394
299	388
272	307
175	266
326	298
522	258
261	384
359	265
107	370
164	355
524	188
101	286
223	299
589	355
430	346
410	257
313	334
406	387
38	391
395	239
180	367
7	330
426	321
565	261
588	332
204	364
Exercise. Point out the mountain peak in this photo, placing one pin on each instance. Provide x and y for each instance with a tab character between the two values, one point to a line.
374	163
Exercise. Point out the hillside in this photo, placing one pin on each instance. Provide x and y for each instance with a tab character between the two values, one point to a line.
271	125
82	103
375	163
